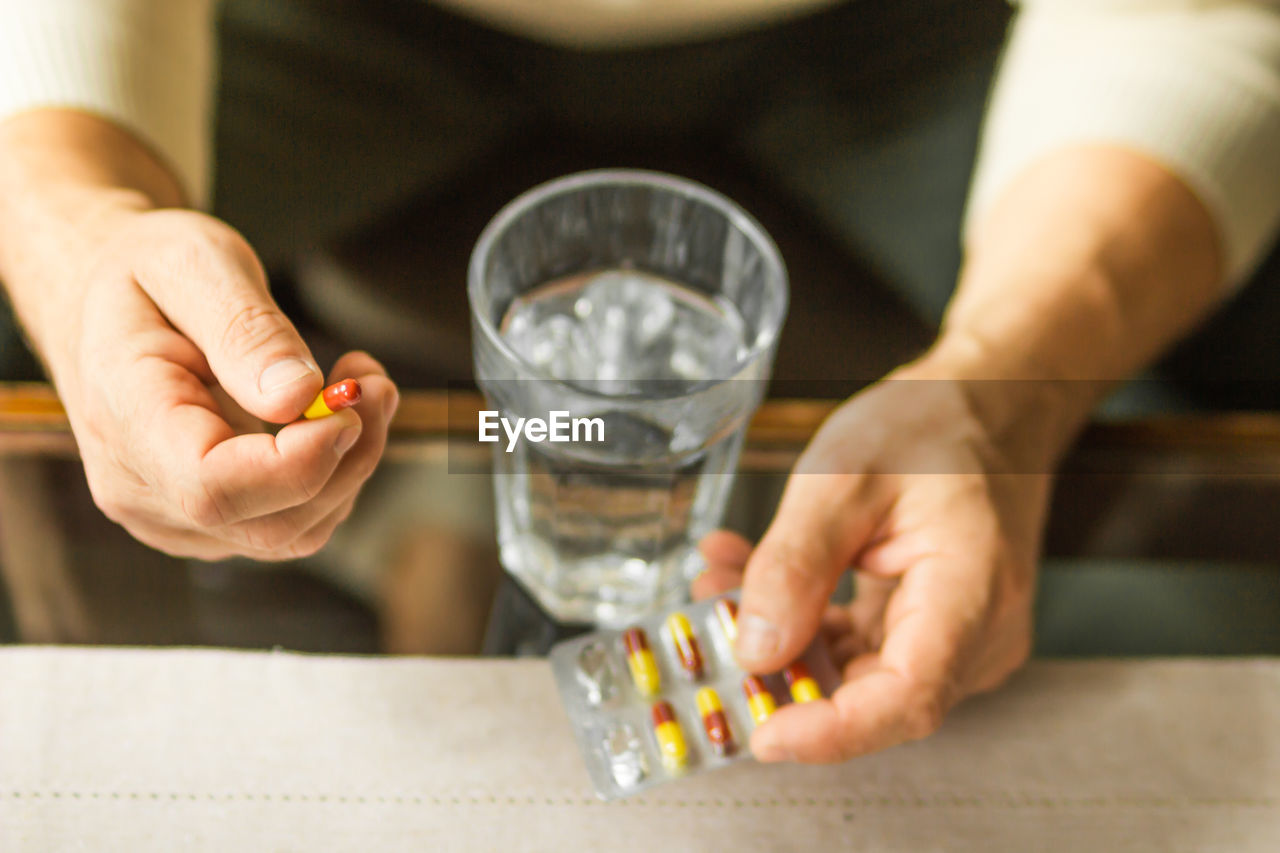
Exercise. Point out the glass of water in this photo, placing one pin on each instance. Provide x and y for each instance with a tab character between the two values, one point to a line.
624	325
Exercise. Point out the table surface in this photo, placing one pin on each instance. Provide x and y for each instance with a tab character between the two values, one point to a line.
209	750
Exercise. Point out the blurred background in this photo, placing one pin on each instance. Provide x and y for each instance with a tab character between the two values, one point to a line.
363	146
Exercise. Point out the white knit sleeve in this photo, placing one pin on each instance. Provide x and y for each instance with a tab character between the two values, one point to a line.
1194	84
147	65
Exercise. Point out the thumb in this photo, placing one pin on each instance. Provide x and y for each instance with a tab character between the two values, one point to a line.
209	284
821	524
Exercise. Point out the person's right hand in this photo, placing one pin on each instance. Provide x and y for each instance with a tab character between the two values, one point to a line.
168	369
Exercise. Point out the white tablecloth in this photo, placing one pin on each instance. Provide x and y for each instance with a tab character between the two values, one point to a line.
139	750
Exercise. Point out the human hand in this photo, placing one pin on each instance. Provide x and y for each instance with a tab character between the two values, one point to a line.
169	366
941	517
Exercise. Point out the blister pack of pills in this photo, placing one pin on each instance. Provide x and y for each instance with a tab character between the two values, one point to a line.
664	698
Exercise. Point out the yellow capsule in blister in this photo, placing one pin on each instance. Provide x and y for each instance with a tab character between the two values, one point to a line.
803	687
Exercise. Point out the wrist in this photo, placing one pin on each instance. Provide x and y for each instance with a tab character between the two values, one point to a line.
46	265
1030	415
68	181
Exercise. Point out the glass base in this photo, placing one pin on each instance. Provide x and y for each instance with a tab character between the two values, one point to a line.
519	627
581	610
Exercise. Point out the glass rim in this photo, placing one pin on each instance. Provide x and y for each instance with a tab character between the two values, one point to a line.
737	217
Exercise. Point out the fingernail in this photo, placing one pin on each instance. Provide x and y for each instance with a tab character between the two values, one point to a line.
284	372
757	638
389	407
345	439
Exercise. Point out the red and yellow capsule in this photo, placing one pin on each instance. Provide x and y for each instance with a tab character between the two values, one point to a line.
644	669
714	721
686	644
727	613
335	398
671	743
803	687
759	700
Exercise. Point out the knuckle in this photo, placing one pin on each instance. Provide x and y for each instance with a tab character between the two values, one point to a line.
270	537
206	553
924	714
852	742
222	237
253	327
281	536
310	542
795	564
109	501
113	506
110	493
95	412
155	539
202	238
344	513
309	483
190	251
203	508
175	546
361	475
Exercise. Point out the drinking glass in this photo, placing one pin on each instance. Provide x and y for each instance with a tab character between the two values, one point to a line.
645	309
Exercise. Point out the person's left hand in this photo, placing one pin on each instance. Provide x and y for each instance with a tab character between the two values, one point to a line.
906	484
